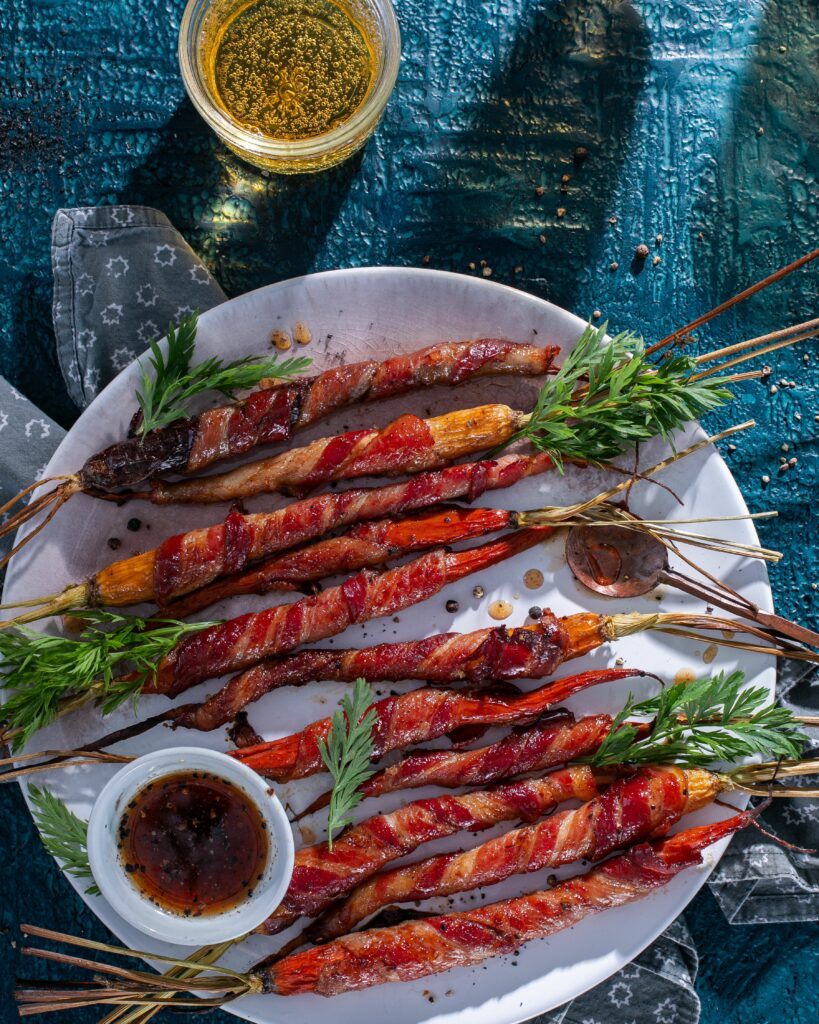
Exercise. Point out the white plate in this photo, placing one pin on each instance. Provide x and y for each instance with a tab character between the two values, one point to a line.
377	312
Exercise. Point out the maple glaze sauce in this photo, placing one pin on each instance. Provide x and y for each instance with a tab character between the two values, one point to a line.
193	843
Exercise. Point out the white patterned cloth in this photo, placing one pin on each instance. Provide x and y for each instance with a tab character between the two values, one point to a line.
121	274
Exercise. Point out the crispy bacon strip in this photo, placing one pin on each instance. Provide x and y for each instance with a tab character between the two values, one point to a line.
418	716
321	875
407	445
247	639
188	561
553	740
274	413
480	657
417	949
632	809
365	545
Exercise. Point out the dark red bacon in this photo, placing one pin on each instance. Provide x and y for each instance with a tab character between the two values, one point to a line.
631	810
407	445
419	716
365	545
274	413
486	655
247	639
187	561
419	948
321	875
547	743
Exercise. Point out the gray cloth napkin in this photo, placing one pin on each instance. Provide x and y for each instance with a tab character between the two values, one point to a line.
758	881
121	274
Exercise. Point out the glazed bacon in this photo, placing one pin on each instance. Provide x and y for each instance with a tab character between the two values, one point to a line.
243	641
483	656
321	875
419	948
407	445
188	561
419	716
365	545
274	413
554	739
630	810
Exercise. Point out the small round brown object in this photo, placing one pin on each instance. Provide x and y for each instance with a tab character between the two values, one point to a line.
561	211
478	592
641	252
500	609
281	340
533	579
452	606
580	152
656	260
539	190
613	265
566	179
301	333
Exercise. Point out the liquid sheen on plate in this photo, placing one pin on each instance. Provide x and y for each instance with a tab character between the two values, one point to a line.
291	69
193	843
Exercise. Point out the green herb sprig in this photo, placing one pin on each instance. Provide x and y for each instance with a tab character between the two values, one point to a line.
696	724
607	396
64	834
162	396
45	675
346	754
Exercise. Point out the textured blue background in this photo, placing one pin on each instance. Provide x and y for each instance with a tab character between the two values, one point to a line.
702	124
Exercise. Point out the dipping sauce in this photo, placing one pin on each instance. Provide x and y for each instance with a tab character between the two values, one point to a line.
193	843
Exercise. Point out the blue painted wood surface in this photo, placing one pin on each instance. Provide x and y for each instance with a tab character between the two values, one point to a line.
701	121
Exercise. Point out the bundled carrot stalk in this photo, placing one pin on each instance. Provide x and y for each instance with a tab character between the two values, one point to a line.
631	809
46	676
189	561
405	952
274	412
190	565
322	875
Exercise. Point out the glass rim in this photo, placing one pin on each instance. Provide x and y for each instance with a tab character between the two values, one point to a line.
342	135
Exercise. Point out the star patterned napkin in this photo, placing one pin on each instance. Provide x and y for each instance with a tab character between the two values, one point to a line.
121	275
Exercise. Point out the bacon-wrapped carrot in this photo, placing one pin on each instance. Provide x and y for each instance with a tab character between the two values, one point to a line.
419	948
631	809
407	445
187	561
495	654
321	875
605	397
245	640
405	952
551	741
419	716
365	545
273	413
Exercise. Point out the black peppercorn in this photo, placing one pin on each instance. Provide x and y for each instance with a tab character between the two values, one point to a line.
134	524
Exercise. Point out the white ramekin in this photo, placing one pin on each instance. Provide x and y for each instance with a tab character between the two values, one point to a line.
132	904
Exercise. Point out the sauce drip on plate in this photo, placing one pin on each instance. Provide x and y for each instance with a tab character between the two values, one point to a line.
193	843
